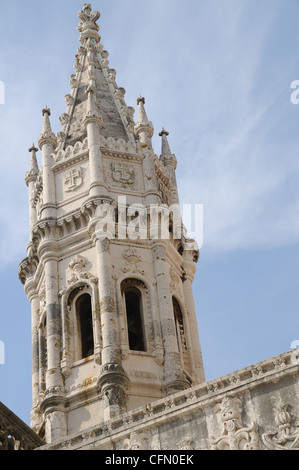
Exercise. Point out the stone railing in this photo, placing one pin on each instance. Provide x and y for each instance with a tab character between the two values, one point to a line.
15	434
181	404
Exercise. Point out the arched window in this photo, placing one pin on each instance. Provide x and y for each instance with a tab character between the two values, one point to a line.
180	330
133	304
84	326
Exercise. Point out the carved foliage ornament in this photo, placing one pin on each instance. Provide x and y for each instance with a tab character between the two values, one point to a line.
286	436
79	272
132	262
88	19
136	441
234	435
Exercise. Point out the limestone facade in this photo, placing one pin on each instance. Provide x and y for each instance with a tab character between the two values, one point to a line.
14	434
109	269
116	357
255	408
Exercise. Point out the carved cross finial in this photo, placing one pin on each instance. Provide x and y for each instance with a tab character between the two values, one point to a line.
47	136
163	132
87	8
88	26
33	148
46	110
140	99
167	157
31	175
143	128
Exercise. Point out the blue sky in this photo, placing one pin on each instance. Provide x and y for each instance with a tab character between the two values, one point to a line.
217	75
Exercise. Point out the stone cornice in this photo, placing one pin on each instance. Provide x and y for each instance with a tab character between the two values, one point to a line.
52	230
27	267
180	404
31	176
61	166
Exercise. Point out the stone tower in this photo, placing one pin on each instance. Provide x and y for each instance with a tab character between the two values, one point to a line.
109	267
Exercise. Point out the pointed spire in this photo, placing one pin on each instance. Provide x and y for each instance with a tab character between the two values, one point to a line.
47	136
46	123
167	157
93	115
32	174
165	145
33	159
143	128
142	116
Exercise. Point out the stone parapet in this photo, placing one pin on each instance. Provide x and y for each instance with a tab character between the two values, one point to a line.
254	408
15	434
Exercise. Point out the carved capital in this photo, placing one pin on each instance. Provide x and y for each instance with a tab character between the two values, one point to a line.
93	117
47	138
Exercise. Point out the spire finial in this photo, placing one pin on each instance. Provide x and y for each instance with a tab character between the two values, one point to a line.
88	26
143	128
142	116
46	110
33	149
166	156
163	132
32	174
140	99
47	136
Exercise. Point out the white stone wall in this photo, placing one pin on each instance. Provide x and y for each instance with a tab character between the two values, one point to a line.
255	408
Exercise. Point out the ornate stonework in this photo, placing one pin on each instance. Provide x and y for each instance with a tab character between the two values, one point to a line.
14	434
137	441
286	435
234	435
116	360
133	262
78	271
73	179
123	173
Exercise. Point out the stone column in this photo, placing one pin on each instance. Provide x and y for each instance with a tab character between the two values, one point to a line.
30	179
150	179
53	322
47	143
113	380
93	124
42	360
174	378
170	162
32	294
190	269
144	130
54	399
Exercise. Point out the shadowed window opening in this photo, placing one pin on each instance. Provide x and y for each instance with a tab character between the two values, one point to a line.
134	320
84	318
179	326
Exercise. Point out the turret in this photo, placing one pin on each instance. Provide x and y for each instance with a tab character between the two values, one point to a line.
170	162
144	128
30	179
47	143
112	329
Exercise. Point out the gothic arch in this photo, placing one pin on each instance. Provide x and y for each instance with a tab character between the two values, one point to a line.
80	303
134	295
71	328
152	330
182	333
